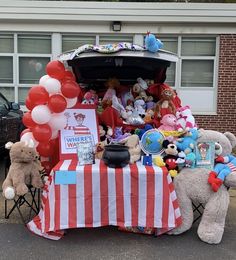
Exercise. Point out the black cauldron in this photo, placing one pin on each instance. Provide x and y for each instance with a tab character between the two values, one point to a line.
116	155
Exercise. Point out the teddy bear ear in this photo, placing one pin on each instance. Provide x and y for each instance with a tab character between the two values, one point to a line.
231	138
200	132
8	145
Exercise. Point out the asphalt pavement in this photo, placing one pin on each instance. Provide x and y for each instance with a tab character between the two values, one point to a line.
17	242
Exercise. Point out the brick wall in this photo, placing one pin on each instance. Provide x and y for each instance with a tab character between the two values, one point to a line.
225	120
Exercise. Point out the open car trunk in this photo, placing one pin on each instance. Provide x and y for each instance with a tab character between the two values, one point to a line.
127	66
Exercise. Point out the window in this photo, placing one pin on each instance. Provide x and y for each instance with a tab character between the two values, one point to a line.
6	69
6	65
6	43
198	73
34	44
34	52
71	42
23	58
170	44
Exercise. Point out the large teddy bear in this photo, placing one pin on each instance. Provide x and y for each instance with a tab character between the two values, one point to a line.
191	185
24	170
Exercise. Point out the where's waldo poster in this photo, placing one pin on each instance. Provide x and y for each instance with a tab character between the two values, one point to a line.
81	127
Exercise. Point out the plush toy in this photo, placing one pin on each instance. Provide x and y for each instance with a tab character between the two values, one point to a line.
24	170
191	185
90	97
225	165
188	142
168	123
152	44
139	106
171	158
112	84
99	150
185	119
141	131
165	105
149	115
132	142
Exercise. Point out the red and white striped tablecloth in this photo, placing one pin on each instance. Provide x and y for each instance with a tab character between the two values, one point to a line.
135	195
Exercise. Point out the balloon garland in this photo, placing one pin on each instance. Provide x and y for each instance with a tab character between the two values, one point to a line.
46	102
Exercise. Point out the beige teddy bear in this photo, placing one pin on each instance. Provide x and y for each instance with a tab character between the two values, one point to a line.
23	171
132	142
191	185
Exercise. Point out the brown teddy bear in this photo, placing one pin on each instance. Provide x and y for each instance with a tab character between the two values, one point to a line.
24	170
165	105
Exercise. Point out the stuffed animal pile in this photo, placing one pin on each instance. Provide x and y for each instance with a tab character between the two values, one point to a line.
24	170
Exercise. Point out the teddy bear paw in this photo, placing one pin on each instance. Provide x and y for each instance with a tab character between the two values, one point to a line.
21	190
211	234
9	193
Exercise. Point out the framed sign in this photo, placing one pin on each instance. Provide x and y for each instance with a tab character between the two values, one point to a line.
81	128
205	154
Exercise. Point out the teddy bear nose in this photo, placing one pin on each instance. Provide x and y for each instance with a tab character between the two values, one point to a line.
172	146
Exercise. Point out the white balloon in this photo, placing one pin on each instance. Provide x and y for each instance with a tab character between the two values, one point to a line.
52	86
28	137
55	134
43	79
71	102
58	121
41	114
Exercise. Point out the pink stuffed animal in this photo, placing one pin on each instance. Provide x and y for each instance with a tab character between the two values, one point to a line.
168	123
185	119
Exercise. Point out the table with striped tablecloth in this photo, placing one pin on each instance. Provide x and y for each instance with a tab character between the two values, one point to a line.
135	195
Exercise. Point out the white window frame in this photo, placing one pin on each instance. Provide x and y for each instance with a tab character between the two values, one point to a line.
214	88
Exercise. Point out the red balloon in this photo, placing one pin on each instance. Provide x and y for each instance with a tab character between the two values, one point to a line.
47	166
29	104
38	95
70	89
55	69
28	121
69	75
24	132
42	133
57	103
45	149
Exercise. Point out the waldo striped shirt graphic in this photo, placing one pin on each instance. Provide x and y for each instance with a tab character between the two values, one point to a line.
78	129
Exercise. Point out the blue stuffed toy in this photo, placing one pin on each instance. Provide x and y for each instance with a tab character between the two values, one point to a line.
140	132
188	142
225	165
152	44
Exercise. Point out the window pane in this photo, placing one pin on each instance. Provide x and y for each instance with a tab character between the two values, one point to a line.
170	44
6	43
197	73
70	42
6	70
170	75
22	93
34	44
32	69
8	93
105	39
198	46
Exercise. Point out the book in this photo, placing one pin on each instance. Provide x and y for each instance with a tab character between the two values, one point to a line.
85	152
205	154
